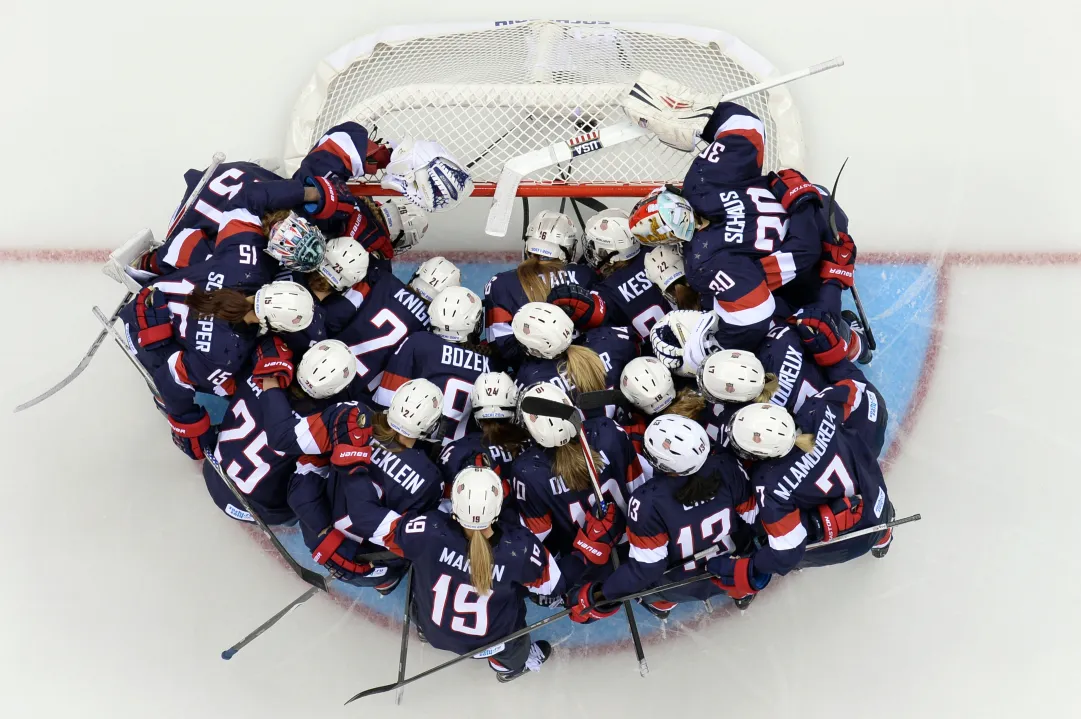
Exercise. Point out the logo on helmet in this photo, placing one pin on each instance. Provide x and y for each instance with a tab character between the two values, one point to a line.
525	328
667	444
757	438
729	387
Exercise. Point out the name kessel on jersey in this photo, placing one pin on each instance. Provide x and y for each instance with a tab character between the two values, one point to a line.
635	286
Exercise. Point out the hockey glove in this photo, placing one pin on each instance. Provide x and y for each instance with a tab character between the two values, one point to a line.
793	190
634	425
349	429
820	333
153	318
590	594
377	157
196	438
273	359
736	576
666	345
586	309
839	261
596	539
367	226
326	554
839	516
334	196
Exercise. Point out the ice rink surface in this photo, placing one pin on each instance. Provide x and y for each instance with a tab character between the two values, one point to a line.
123	582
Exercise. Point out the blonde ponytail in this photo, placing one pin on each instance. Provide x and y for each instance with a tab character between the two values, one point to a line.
687	403
769	388
480	561
570	463
806	442
533	273
584	368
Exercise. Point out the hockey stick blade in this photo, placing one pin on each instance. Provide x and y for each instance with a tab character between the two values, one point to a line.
83	364
520	633
603	398
231	651
549	408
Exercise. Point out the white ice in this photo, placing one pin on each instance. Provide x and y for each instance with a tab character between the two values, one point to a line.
123	582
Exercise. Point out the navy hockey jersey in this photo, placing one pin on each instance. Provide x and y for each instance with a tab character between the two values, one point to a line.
840	465
462	453
451	367
503	296
798	377
450	612
555	513
630	297
385	313
663	531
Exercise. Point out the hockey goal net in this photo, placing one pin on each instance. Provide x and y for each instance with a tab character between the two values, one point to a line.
492	91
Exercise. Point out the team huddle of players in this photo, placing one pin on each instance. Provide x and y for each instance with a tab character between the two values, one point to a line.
381	415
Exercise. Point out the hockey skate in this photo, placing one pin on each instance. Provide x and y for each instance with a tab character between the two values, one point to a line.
658	608
882	546
854	324
389	586
539	652
743	602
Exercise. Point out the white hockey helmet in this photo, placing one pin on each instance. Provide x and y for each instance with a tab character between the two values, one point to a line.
476	497
433	276
345	263
675	444
662	218
762	431
731	376
547	431
664	266
608	238
494	396
455	314
296	243
427	174
552	236
647	384
416	410
326	369
284	307
406	225
542	329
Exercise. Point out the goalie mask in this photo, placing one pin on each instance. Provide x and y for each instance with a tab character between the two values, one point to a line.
551	236
426	174
433	276
609	239
283	307
296	243
344	264
662	218
455	314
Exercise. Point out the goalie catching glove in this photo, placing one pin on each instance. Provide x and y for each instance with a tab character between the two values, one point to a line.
426	174
675	113
683	339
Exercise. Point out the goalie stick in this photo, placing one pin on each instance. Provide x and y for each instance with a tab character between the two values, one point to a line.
517	168
403	654
85	362
521	633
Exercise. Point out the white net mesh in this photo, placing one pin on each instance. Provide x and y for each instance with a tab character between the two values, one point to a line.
492	93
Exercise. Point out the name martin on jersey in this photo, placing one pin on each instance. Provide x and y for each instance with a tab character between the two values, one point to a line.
453	559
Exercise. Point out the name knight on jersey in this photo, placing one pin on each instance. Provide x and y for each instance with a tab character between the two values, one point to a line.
826	429
466	359
412	303
392	465
453	559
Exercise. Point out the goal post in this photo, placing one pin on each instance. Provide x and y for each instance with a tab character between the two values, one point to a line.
493	91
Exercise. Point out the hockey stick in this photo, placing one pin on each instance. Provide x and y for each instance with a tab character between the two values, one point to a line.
517	168
217	160
837	241
228	653
405	635
521	633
